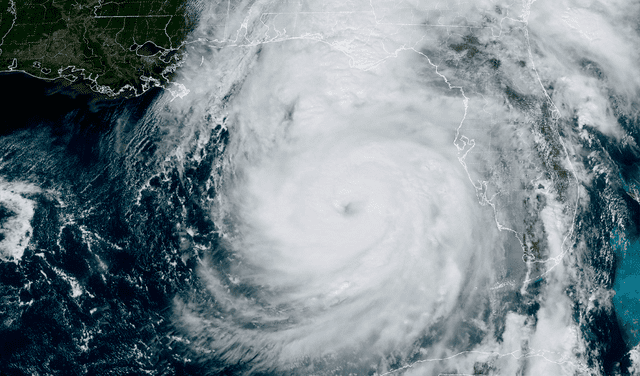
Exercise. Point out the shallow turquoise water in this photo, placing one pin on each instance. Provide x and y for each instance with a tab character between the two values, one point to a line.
627	288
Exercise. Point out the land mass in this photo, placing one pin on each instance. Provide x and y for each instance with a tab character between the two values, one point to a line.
123	47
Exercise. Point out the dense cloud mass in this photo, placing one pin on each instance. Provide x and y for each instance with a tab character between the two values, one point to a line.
402	183
353	223
348	188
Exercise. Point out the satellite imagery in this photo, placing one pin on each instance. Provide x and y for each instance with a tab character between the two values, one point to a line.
330	187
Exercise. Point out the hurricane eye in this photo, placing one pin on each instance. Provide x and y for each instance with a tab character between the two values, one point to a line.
351	208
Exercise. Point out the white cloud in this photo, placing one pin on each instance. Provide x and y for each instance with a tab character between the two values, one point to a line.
16	228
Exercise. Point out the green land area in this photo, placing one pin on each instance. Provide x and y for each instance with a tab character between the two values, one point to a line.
113	43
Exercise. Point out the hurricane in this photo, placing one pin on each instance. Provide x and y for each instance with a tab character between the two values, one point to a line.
348	222
377	196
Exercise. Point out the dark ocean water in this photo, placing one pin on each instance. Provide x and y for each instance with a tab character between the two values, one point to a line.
92	293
